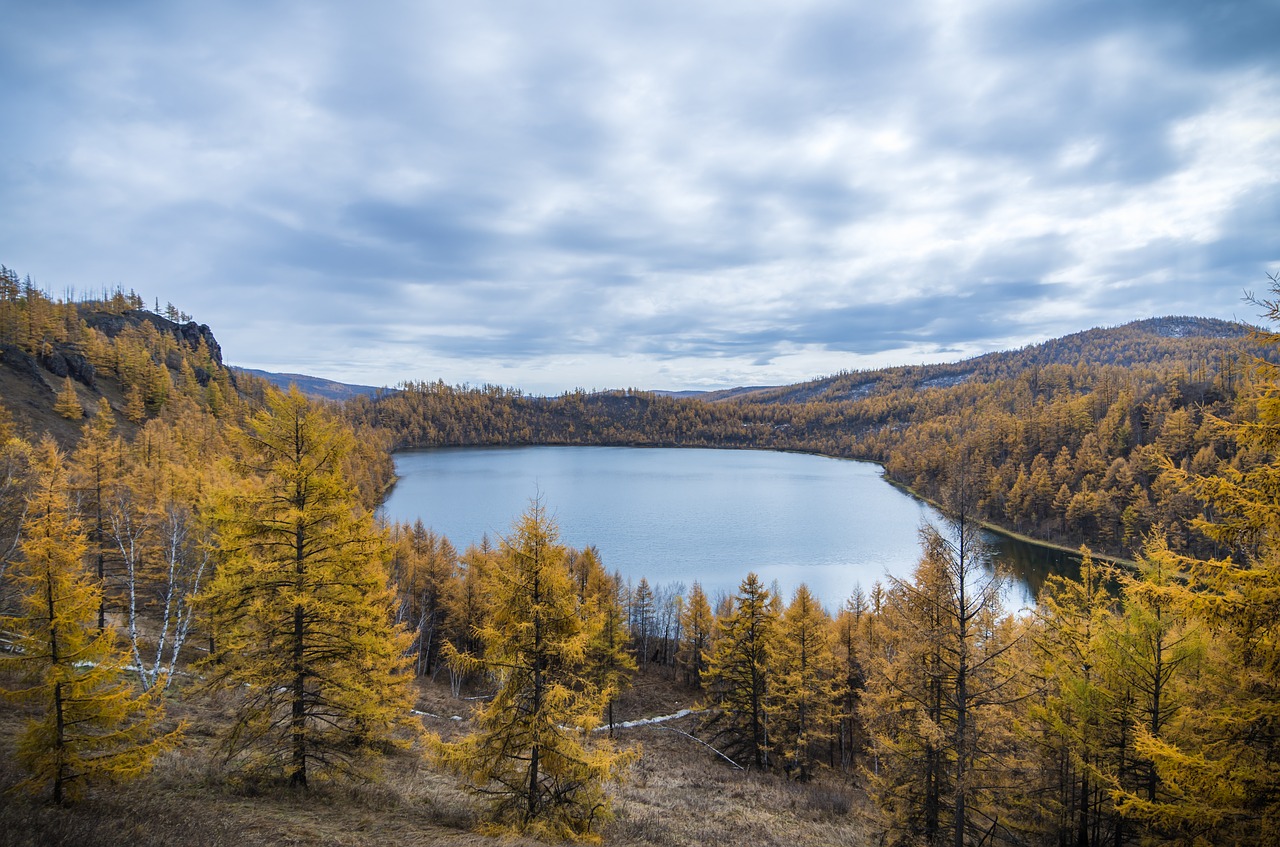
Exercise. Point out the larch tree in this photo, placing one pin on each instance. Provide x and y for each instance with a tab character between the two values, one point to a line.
697	625
737	680
94	726
1216	765
806	687
642	620
68	404
301	605
1071	720
424	573
905	703
467	605
95	467
610	664
534	756
939	681
1155	661
153	518
15	483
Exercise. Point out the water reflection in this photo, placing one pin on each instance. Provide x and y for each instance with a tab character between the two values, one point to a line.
676	515
1030	564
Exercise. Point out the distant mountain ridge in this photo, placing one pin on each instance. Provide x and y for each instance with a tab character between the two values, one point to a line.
314	386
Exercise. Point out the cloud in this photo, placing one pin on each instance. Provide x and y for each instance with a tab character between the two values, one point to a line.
568	192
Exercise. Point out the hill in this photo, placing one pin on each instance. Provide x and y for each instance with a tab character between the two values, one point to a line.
108	349
1167	342
1063	441
313	386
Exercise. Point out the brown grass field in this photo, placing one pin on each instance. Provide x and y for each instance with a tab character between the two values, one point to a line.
678	793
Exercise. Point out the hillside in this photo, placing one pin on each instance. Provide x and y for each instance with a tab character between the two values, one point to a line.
111	349
1062	441
312	386
1166	343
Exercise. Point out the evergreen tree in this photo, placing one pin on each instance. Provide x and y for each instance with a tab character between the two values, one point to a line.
533	755
93	726
300	603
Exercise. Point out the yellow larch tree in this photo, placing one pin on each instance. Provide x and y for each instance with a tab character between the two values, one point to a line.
697	625
1216	763
301	606
68	404
534	756
610	664
806	688
93	726
737	680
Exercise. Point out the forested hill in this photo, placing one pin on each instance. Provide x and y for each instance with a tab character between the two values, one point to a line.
1165	343
1064	440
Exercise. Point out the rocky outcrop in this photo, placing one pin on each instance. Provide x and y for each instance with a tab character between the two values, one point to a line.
189	333
22	363
64	362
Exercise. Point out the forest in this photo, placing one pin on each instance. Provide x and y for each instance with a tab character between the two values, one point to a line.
208	636
1065	441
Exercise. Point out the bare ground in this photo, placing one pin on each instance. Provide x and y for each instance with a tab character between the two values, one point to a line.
678	793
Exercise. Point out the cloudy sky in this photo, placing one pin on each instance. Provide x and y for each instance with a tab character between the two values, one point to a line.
657	194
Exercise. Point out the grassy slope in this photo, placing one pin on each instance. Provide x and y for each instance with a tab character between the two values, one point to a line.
678	793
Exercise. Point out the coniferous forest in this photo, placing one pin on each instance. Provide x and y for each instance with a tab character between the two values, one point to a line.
208	638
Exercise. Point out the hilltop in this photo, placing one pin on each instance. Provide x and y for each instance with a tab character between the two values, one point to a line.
110	349
313	386
1154	342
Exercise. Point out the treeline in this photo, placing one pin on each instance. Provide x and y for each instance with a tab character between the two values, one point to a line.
1068	452
1143	713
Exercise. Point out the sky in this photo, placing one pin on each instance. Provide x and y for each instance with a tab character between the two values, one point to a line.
663	195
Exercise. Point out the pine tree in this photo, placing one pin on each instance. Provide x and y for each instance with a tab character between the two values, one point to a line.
737	678
68	404
533	755
94	727
301	606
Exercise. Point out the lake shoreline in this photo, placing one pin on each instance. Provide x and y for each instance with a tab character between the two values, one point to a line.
678	514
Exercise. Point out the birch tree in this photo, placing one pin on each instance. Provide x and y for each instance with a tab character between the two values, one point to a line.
93	726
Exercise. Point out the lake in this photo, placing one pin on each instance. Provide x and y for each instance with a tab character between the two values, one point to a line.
679	515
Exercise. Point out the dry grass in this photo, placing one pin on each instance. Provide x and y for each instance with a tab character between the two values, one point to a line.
677	794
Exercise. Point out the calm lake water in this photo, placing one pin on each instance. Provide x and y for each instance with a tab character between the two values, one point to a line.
679	515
